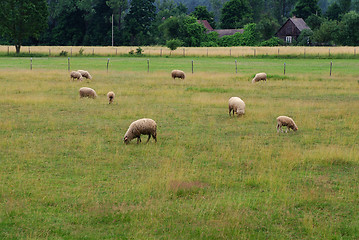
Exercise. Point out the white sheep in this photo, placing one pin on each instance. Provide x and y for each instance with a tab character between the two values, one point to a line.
178	74
110	97
259	77
76	74
286	121
143	126
236	105
87	92
85	74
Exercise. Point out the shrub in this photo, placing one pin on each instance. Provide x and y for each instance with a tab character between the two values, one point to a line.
173	44
63	53
272	42
139	51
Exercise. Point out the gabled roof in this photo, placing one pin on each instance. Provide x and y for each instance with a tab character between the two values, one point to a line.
299	23
225	32
206	24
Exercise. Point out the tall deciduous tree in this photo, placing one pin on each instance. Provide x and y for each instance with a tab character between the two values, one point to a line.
21	19
305	8
119	7
201	13
235	14
348	33
139	19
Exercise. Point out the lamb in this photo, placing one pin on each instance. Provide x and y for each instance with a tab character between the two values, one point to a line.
178	74
85	74
87	92
110	97
286	121
237	105
259	77
75	74
145	126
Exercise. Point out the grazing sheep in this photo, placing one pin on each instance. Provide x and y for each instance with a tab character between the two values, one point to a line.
75	74
237	105
286	121
259	77
87	92
85	74
178	74
110	97
143	126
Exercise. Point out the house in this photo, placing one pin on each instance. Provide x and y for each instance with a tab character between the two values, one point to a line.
206	24
221	32
227	32
291	29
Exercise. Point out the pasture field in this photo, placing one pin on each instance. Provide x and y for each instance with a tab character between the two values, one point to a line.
65	172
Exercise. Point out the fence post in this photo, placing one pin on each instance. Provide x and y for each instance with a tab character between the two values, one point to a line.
93	51
207	52
355	51
49	52
30	63
29	51
184	52
148	65
304	52
192	66
278	52
116	51
331	65
329	52
108	61
8	50
284	68
68	64
236	65
254	52
71	52
161	53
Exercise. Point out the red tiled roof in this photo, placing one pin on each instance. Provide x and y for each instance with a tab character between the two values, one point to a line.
205	24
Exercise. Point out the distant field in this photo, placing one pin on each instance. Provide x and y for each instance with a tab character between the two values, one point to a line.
66	174
187	51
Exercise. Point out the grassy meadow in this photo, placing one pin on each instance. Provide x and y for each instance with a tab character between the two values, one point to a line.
65	172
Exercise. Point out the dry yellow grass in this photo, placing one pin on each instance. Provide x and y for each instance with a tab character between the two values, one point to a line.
185	51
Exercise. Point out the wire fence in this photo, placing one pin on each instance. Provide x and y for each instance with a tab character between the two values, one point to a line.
184	52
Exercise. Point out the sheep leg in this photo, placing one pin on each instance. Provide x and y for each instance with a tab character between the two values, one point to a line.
139	140
277	128
154	137
149	136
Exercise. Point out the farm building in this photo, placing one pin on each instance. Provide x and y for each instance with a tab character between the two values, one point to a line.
221	32
291	29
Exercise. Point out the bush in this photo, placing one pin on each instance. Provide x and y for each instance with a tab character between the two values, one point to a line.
139	51
81	51
63	53
305	38
173	44
274	41
209	44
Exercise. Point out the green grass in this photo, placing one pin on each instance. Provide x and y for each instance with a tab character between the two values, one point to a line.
65	172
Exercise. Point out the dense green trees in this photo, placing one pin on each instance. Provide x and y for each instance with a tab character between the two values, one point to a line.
305	8
20	20
202	13
172	22
235	14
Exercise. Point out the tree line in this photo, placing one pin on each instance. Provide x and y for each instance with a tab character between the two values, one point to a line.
173	22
